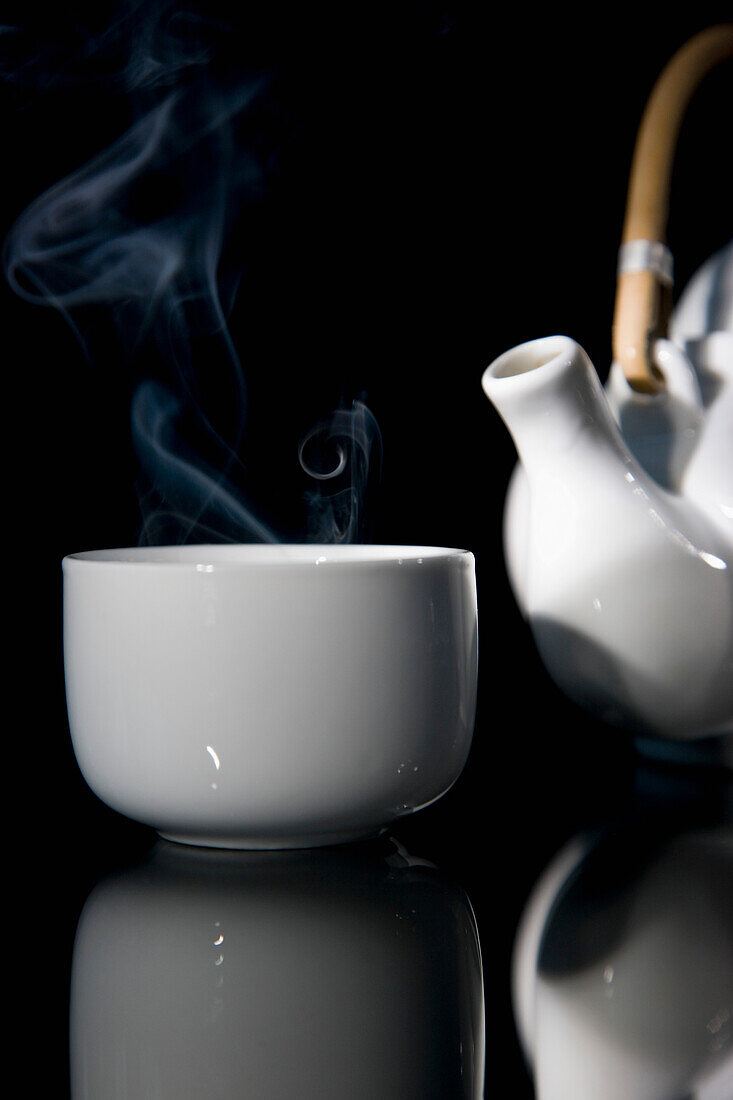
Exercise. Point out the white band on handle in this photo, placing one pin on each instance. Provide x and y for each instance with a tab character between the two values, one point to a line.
641	255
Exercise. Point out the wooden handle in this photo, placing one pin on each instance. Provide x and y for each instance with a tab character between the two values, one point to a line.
643	293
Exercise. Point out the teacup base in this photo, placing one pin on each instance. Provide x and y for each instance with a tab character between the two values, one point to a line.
275	843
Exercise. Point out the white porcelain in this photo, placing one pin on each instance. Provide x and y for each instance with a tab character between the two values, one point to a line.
623	969
625	578
319	975
684	436
270	696
706	303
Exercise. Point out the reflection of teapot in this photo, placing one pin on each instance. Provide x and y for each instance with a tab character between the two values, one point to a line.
619	518
623	968
349	972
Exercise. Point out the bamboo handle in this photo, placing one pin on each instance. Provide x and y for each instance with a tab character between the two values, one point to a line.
644	284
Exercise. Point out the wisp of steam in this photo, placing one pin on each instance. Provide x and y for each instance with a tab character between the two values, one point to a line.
345	448
141	231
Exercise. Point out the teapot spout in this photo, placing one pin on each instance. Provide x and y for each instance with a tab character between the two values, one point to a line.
550	398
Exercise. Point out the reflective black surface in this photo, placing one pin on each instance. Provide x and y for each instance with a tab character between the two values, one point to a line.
356	948
447	182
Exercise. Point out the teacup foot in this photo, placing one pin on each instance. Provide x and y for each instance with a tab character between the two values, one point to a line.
274	843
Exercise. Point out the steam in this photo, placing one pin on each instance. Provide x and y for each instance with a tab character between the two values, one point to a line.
143	231
140	44
345	449
187	496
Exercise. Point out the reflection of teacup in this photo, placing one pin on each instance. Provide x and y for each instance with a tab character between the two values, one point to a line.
343	972
270	696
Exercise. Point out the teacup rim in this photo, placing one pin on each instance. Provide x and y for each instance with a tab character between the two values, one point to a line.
210	556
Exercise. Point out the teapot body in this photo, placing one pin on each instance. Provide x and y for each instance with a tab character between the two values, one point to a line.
620	562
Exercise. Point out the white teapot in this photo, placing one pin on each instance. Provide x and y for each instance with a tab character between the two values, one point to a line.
618	528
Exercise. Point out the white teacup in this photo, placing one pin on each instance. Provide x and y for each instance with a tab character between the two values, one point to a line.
268	696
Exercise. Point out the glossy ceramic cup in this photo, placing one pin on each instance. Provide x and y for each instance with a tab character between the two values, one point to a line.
269	696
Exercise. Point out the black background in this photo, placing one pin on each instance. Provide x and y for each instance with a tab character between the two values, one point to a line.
450	181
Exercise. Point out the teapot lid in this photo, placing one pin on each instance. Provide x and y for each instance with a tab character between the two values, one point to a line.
706	304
